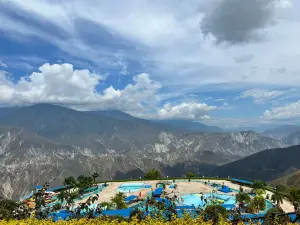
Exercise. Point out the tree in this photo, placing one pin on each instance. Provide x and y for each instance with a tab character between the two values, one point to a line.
61	197
105	205
7	208
277	198
214	213
84	182
190	175
242	198
280	188
294	196
95	175
118	200
277	215
152	174
259	202
70	181
258	184
71	197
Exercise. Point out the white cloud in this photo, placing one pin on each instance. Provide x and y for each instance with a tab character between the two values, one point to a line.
261	96
287	112
2	64
62	84
169	39
192	111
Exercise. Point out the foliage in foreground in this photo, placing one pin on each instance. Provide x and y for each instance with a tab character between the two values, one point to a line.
106	221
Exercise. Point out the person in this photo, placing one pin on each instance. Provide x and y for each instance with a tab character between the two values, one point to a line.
140	195
205	201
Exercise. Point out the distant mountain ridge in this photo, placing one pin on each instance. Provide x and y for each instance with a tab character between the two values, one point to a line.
190	126
266	165
281	132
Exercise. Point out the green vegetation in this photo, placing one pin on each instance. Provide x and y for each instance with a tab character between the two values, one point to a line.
6	208
214	213
152	174
118	200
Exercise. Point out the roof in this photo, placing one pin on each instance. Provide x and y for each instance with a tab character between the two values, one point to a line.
130	198
158	191
242	181
225	189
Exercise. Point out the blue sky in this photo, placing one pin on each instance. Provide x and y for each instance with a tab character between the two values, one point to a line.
230	63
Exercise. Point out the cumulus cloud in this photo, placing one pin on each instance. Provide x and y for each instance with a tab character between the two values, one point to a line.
62	84
192	111
287	112
261	96
237	21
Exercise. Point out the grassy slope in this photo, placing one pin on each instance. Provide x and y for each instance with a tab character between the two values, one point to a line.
292	180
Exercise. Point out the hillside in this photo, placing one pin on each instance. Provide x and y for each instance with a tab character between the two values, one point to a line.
281	132
291	180
266	165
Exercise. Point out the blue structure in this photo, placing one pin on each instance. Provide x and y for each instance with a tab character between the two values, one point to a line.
241	181
157	192
225	189
130	199
118	212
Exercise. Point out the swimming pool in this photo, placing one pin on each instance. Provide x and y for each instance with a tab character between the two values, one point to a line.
195	199
132	187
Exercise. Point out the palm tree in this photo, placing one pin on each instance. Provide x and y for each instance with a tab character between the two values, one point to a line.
69	181
294	196
242	198
61	197
259	203
71	197
95	175
118	200
277	198
106	205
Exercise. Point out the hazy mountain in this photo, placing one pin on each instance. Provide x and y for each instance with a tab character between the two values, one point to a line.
190	126
292	139
4	111
266	165
291	180
281	132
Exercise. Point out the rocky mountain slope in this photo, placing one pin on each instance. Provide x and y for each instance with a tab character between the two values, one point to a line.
49	140
290	180
27	160
266	165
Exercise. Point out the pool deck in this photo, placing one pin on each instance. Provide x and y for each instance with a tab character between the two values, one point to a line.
183	188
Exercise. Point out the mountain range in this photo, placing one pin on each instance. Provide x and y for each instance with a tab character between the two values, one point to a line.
48	142
288	134
266	165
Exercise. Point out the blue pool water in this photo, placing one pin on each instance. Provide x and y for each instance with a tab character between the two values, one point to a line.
194	199
132	187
